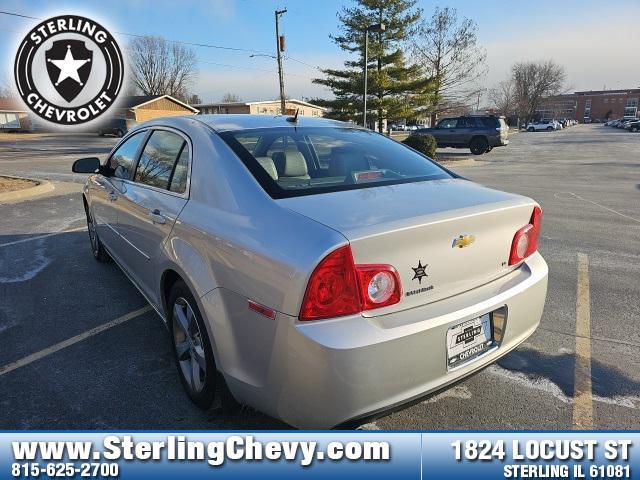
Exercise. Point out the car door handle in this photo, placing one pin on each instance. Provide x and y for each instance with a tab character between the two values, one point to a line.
157	217
113	196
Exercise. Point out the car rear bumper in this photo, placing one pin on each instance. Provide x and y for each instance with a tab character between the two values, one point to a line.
325	373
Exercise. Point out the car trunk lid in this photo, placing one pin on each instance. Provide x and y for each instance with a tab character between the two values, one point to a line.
444	237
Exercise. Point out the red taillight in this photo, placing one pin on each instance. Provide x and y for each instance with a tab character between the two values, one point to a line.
332	289
338	287
525	241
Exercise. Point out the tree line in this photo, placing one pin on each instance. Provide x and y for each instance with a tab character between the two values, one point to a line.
424	67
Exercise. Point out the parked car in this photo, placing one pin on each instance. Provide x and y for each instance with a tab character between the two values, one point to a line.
116	126
289	255
541	125
634	126
478	133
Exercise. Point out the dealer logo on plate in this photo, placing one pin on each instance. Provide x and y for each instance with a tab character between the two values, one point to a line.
69	70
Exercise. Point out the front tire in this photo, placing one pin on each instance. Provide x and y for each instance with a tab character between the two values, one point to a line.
531	129
633	129
192	349
479	146
549	129
120	133
97	248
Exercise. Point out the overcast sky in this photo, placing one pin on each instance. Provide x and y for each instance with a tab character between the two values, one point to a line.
597	42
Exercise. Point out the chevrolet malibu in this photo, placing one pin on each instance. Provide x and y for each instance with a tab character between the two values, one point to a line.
321	272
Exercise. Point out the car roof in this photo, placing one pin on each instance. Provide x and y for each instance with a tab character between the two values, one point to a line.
228	122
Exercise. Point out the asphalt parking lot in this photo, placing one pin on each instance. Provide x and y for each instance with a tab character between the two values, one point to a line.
79	347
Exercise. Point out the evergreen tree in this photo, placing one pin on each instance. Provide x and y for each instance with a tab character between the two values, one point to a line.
395	89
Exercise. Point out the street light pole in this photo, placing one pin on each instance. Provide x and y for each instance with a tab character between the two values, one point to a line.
278	48
377	27
366	64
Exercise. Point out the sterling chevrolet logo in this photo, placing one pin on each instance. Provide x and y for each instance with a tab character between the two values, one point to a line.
463	241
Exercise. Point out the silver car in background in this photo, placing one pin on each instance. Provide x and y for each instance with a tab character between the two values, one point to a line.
323	272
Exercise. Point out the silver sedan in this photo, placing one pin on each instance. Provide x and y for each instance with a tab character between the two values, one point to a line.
316	271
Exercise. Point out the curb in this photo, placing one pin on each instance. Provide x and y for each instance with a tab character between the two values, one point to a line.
43	186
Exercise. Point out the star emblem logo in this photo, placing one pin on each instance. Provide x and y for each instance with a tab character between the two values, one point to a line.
418	272
69	66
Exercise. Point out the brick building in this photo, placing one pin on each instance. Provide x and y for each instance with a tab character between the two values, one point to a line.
593	105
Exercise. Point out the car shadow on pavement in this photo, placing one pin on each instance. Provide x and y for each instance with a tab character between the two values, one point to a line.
51	290
607	381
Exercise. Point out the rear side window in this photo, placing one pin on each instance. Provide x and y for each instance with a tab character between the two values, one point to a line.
467	122
178	182
158	159
490	122
121	162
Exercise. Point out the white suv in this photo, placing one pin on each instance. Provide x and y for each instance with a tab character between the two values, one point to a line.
544	125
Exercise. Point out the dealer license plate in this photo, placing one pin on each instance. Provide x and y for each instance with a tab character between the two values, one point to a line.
467	340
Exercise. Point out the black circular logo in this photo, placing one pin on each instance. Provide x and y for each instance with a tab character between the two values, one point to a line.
69	70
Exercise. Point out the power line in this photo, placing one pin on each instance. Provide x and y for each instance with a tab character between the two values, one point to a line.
137	35
198	44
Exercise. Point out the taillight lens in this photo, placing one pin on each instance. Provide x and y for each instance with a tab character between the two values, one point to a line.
379	285
525	241
338	287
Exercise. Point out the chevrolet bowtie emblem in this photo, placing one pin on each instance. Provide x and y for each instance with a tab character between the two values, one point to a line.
463	241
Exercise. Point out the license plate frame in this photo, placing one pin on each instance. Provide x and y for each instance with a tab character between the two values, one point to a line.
468	340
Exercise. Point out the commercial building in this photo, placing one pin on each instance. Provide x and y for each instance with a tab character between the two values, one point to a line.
267	107
13	117
593	105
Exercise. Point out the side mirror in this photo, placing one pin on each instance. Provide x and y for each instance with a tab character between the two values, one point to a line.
86	165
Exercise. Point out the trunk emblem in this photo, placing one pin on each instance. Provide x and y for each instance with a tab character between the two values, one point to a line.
418	272
463	241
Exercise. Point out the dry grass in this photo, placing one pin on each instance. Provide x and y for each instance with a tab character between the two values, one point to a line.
9	184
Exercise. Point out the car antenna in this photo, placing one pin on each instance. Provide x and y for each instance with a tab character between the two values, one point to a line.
294	119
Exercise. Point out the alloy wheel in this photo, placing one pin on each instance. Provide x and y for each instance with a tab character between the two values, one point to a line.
189	346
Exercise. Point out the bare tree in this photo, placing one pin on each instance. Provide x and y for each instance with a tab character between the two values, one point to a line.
194	99
230	98
161	67
503	97
6	89
447	48
533	82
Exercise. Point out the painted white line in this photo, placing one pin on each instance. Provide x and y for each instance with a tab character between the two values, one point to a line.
72	341
46	235
602	206
582	389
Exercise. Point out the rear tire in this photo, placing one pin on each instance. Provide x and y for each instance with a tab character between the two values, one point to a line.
531	129
120	133
192	349
97	248
549	129
633	129
479	145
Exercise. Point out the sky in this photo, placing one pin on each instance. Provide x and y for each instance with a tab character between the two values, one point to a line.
597	42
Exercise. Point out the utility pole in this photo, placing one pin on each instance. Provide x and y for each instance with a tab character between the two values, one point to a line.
279	49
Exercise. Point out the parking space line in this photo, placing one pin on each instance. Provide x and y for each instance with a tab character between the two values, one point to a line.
605	208
73	340
582	389
30	239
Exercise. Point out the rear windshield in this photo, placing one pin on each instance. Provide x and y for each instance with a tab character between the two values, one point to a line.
295	161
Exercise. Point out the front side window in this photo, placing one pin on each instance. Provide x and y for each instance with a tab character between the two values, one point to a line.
309	160
158	159
448	123
121	161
